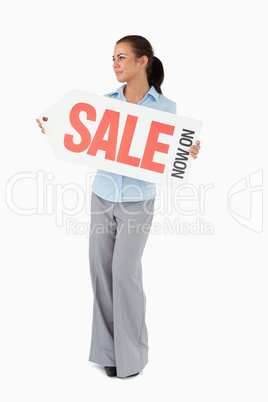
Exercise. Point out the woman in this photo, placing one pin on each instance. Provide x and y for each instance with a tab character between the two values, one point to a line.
122	211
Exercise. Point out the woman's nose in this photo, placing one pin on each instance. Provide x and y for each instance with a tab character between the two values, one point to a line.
115	65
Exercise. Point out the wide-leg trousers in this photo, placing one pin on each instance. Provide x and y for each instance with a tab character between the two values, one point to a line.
118	234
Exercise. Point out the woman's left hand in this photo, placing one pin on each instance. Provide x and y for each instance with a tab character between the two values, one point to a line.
194	149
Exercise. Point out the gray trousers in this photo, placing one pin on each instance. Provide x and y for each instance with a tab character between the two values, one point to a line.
118	234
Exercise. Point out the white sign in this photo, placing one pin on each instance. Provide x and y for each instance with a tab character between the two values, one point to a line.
121	137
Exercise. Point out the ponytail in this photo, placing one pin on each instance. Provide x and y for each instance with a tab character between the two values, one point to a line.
142	47
155	74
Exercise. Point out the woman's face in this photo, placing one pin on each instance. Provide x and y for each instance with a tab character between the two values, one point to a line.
125	64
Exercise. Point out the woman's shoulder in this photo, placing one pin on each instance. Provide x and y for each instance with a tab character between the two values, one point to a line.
167	104
116	93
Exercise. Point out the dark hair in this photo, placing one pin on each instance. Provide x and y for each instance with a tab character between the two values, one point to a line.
142	47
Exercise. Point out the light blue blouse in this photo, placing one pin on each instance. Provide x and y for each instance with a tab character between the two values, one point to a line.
116	188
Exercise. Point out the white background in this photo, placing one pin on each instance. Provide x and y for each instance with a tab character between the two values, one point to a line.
206	293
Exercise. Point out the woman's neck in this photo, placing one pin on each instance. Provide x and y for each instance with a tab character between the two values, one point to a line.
136	91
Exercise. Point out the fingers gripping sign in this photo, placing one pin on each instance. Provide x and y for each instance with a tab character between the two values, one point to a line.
40	124
194	149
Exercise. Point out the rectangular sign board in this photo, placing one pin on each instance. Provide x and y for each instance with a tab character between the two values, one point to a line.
121	137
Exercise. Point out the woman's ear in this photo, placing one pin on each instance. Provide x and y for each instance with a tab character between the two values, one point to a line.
143	61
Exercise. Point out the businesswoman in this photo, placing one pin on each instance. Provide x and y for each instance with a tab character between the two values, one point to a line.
122	210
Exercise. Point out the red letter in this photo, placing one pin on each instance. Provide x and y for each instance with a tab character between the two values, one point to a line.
109	119
79	127
152	146
123	153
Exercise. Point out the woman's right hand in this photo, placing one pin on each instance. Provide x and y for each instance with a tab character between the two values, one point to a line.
40	125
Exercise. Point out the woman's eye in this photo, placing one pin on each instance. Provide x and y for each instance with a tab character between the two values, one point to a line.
120	58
